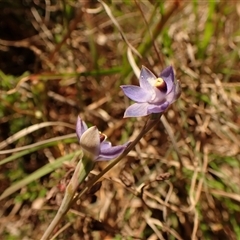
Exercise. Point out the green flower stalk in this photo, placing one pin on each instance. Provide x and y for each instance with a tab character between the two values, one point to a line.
82	170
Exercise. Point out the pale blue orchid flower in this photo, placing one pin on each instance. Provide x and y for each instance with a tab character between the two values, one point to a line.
154	94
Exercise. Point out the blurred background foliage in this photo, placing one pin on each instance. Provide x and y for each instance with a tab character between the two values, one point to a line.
62	58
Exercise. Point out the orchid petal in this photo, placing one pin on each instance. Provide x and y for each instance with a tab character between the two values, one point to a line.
158	97
136	110
147	79
178	90
90	141
81	127
136	93
175	93
111	152
168	76
152	108
105	145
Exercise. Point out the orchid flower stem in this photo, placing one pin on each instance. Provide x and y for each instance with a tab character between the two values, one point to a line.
82	170
155	118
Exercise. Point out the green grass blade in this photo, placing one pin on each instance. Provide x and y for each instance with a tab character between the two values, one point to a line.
47	143
48	168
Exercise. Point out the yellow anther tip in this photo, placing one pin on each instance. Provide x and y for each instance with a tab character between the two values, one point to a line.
159	82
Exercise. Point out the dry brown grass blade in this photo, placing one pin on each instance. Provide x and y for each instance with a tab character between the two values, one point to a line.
132	62
115	22
170	132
